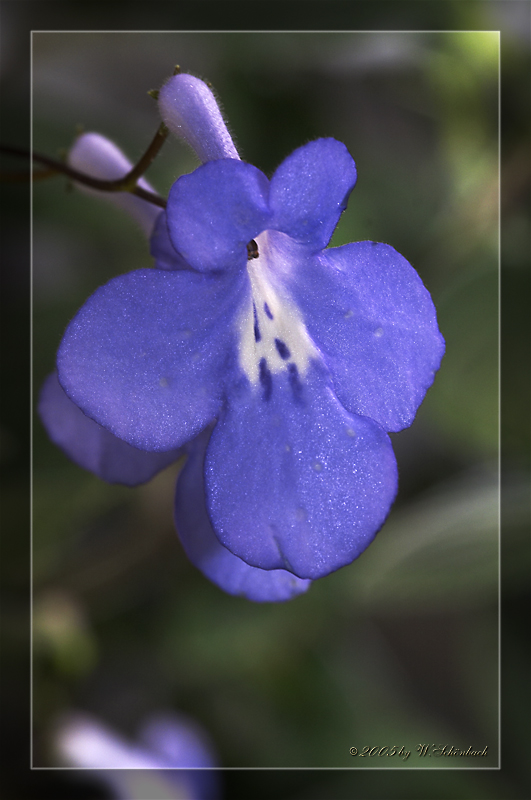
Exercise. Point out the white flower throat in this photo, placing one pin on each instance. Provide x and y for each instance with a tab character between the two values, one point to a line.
273	336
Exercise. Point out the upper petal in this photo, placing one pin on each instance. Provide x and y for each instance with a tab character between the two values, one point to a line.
374	321
293	481
310	189
91	446
215	211
148	354
226	570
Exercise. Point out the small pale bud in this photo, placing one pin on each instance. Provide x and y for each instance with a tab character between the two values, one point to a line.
98	157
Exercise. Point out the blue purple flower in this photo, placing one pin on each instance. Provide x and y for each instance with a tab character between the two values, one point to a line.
278	364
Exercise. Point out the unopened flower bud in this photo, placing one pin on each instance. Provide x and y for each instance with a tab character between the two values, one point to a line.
98	157
190	111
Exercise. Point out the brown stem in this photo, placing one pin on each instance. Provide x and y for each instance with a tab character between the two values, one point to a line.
149	156
128	183
23	177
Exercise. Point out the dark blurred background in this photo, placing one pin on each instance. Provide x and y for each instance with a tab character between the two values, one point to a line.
401	647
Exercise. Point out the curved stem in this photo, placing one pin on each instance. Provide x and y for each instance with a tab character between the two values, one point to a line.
128	183
129	180
23	177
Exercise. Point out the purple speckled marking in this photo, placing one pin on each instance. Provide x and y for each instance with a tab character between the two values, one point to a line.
283	350
266	379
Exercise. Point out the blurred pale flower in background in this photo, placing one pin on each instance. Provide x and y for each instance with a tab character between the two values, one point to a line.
171	759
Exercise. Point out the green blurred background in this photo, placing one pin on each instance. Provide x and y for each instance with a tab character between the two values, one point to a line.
401	647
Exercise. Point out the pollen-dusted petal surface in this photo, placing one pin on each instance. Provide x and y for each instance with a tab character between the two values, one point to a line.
91	446
148	354
215	211
370	315
310	189
204	550
292	480
190	111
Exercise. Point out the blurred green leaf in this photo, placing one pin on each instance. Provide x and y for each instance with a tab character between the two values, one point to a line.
439	552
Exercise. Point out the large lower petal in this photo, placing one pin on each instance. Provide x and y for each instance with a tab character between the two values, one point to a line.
294	481
230	573
148	354
374	321
91	446
310	189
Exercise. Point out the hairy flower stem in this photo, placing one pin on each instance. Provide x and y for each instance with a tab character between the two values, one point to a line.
126	184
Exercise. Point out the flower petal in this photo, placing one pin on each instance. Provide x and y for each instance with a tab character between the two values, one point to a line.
203	549
215	211
100	158
190	111
161	248
372	318
91	446
292	480
178	740
310	189
84	742
148	354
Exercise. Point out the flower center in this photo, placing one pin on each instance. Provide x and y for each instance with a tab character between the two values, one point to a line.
273	337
